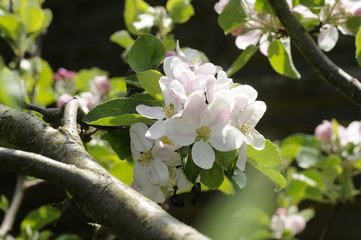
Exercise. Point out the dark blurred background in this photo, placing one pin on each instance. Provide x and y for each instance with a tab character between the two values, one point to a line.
78	38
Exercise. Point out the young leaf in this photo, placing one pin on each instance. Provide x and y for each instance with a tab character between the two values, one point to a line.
4	203
190	170
308	157
226	158
133	80
279	55
37	219
32	16
150	82
213	177
180	10
353	24
132	9
358	47
313	3
10	26
242	60
118	112
233	15
268	162
146	53
263	6
83	76
119	140
122	38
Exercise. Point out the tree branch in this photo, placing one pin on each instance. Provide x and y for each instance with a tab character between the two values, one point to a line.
102	197
325	69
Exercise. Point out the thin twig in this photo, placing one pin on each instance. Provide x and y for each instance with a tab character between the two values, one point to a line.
332	220
11	213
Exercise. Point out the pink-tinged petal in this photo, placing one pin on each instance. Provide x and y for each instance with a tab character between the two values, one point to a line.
167	66
181	131
141	175
212	87
178	67
245	91
193	56
242	157
154	192
225	138
219	111
249	38
194	108
206	68
151	112
157	130
181	180
159	173
253	113
203	155
223	80
328	37
137	136
177	95
264	44
226	95
256	140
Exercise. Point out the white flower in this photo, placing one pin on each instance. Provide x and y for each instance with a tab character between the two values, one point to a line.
328	37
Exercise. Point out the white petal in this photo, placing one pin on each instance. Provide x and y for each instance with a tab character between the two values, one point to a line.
177	67
206	68
220	110
242	157
225	138
245	91
167	66
256	140
137	136
181	131
195	107
135	153
141	175
157	130
181	180
151	112
159	173
203	155
328	37
154	192
264	44
250	38
253	113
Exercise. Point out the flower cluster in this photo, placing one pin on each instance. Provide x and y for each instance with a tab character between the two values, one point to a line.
336	138
64	84
203	110
262	28
284	224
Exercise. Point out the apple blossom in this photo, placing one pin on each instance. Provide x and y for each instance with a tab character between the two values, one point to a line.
101	84
283	223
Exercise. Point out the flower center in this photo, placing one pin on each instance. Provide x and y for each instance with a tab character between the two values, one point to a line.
203	133
145	158
246	128
169	110
166	140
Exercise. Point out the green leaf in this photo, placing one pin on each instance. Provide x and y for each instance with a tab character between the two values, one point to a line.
133	80
37	219
44	75
146	53
4	203
279	55
132	9
10	26
213	177
242	60
123	170
233	15
308	157
45	235
169	43
268	162
239	178
225	158
117	112
119	140
122	38
68	237
10	90
312	3
358	47
119	87
309	23
330	161
33	17
83	77
263	6
226	187
353	24
150	82
307	214
180	10
190	169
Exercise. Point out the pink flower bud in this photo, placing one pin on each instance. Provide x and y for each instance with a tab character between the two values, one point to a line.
324	131
296	223
63	74
63	99
102	84
358	12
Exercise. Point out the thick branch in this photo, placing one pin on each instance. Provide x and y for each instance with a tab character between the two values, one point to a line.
97	193
325	69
